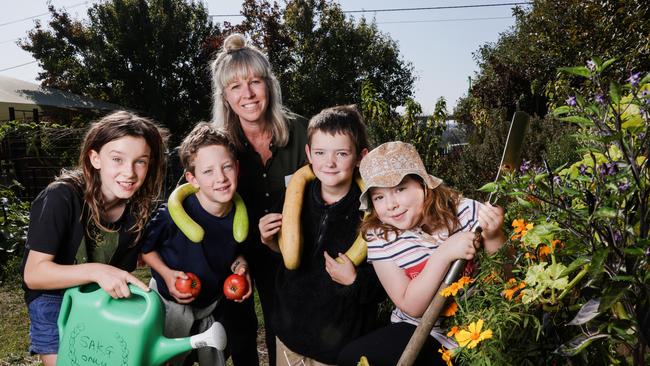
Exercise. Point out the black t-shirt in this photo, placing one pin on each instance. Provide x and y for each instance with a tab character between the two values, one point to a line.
210	260
57	226
313	315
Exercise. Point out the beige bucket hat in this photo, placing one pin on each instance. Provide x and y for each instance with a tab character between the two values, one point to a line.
388	164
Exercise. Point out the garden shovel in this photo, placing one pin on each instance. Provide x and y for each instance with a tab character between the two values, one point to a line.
509	161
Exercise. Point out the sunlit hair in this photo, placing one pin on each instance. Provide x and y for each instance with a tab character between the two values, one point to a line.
203	134
340	120
439	213
237	60
86	179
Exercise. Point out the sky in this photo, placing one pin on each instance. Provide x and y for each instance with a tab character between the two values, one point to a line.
438	42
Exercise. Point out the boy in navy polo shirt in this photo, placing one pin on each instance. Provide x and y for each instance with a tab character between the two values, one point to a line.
210	164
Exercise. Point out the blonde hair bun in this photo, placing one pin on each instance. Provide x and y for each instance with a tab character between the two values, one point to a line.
234	42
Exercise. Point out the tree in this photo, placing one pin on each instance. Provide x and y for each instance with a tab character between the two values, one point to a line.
521	68
322	58
147	55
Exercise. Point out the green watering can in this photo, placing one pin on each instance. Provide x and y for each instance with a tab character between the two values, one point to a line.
97	330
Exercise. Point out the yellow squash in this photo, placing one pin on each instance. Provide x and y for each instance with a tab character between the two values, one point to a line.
194	231
290	237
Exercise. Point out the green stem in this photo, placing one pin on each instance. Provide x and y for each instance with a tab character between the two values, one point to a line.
574	281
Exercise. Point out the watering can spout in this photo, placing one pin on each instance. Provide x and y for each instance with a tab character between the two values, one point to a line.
167	348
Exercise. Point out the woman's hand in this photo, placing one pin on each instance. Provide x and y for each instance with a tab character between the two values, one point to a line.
341	273
170	280
114	280
269	226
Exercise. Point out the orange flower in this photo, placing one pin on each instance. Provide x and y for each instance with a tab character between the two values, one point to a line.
446	355
530	256
557	244
453	331
451	309
474	335
491	278
521	228
514	288
543	251
453	289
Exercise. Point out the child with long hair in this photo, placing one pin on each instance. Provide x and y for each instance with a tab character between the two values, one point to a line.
85	226
416	228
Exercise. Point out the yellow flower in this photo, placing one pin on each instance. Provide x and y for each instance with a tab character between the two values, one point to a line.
472	337
451	309
491	278
453	331
446	355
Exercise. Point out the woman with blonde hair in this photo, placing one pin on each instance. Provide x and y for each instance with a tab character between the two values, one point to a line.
270	144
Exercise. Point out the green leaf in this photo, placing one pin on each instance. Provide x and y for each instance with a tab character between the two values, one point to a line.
577	344
646	79
577	263
607	63
614	92
634	252
489	187
583	121
606	212
611	296
587	312
562	110
524	203
623	278
598	264
577	70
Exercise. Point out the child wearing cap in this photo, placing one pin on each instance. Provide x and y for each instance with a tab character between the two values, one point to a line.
415	229
323	305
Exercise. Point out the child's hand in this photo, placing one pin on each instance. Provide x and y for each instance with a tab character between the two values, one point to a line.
491	220
458	246
114	280
269	226
342	273
242	270
170	281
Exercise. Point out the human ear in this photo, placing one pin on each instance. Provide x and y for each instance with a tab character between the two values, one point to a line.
191	179
93	156
308	153
361	155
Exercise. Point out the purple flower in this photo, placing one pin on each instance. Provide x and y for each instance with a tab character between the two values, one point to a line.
525	165
571	101
617	236
557	180
582	169
599	98
623	186
606	169
641	135
634	78
591	65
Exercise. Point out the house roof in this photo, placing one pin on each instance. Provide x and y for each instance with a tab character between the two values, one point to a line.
15	91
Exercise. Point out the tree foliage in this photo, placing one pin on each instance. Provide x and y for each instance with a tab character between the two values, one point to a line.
322	57
147	55
521	68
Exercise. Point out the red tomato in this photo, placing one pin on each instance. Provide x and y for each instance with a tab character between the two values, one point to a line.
191	285
235	287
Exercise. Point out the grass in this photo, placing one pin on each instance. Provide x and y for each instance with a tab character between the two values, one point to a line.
14	326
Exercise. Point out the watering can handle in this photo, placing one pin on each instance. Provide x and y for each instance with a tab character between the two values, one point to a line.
135	291
66	306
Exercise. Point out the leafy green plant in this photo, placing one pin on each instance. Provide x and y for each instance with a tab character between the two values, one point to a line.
14	220
572	285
